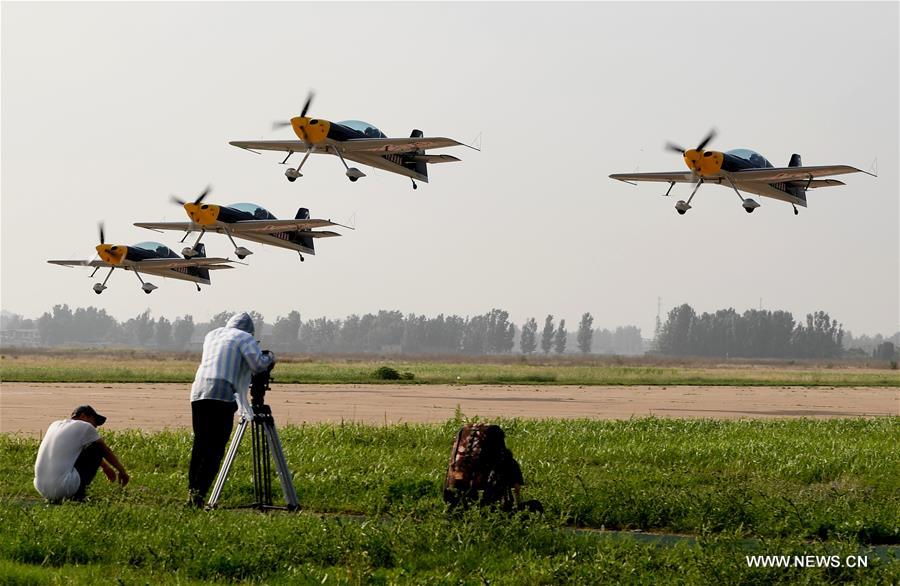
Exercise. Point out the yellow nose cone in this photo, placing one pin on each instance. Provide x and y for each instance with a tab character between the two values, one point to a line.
711	163
203	214
310	130
112	253
704	162
692	159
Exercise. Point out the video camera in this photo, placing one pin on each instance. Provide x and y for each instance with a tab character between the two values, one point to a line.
259	384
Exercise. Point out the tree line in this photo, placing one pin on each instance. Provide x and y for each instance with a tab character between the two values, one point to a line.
381	332
723	333
753	334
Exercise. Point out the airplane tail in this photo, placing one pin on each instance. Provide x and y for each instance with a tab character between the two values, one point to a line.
202	272
305	241
796	188
419	167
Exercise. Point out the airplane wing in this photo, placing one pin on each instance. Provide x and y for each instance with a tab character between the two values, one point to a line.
245	226
398	145
665	177
354	145
80	263
777	174
297	146
177	263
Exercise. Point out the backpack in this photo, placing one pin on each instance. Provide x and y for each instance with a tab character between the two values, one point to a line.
476	465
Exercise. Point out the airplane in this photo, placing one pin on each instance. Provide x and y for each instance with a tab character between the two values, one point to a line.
150	258
248	221
357	141
743	169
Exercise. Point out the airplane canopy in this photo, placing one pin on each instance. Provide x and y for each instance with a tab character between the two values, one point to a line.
754	157
259	212
155	247
368	129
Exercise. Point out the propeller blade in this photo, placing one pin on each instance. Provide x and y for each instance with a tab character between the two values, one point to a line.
175	200
102	233
280	124
705	141
203	195
309	98
674	147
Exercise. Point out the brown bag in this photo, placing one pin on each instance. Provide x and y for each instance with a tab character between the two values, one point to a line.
474	460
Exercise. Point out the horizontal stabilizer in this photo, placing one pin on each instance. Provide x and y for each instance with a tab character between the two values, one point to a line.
433	159
817	183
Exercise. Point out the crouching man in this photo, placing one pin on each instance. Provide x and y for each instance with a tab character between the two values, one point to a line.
70	454
231	356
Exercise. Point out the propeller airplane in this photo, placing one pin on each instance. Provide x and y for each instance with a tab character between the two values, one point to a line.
248	221
150	258
356	141
743	170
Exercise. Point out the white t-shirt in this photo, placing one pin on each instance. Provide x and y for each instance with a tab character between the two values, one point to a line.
55	476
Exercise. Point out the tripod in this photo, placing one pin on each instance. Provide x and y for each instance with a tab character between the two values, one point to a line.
265	443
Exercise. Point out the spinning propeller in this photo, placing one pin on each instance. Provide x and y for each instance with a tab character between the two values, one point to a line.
697	159
282	124
197	201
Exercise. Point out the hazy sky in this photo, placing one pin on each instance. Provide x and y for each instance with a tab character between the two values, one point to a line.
109	108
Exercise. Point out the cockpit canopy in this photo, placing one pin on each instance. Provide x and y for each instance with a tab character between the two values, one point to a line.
368	129
258	212
160	250
756	159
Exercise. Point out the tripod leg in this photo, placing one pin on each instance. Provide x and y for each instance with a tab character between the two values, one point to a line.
284	474
226	465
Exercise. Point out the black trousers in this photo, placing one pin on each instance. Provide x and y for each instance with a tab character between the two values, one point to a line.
87	464
212	421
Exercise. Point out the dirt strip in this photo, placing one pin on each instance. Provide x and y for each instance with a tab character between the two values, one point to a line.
29	407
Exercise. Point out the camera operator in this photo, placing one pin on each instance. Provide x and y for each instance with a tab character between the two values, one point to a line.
231	356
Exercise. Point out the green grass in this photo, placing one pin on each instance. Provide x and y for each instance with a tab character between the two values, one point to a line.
137	367
792	486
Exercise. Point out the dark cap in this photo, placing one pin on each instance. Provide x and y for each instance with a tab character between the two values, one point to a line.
89	411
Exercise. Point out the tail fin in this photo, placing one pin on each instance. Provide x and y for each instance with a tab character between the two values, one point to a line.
202	272
305	241
796	188
419	167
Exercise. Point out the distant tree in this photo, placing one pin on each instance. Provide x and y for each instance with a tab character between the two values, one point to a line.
474	339
559	340
547	335
528	341
182	330
286	332
885	351
163	335
55	328
585	333
220	319
500	332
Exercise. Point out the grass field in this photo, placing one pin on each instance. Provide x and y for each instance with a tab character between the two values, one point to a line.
131	366
784	487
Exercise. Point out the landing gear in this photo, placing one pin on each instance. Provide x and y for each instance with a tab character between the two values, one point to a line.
747	203
414	184
353	174
197	286
301	257
796	211
100	287
239	251
147	287
683	206
291	173
191	251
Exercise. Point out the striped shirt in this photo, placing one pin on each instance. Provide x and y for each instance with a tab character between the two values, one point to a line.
230	357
